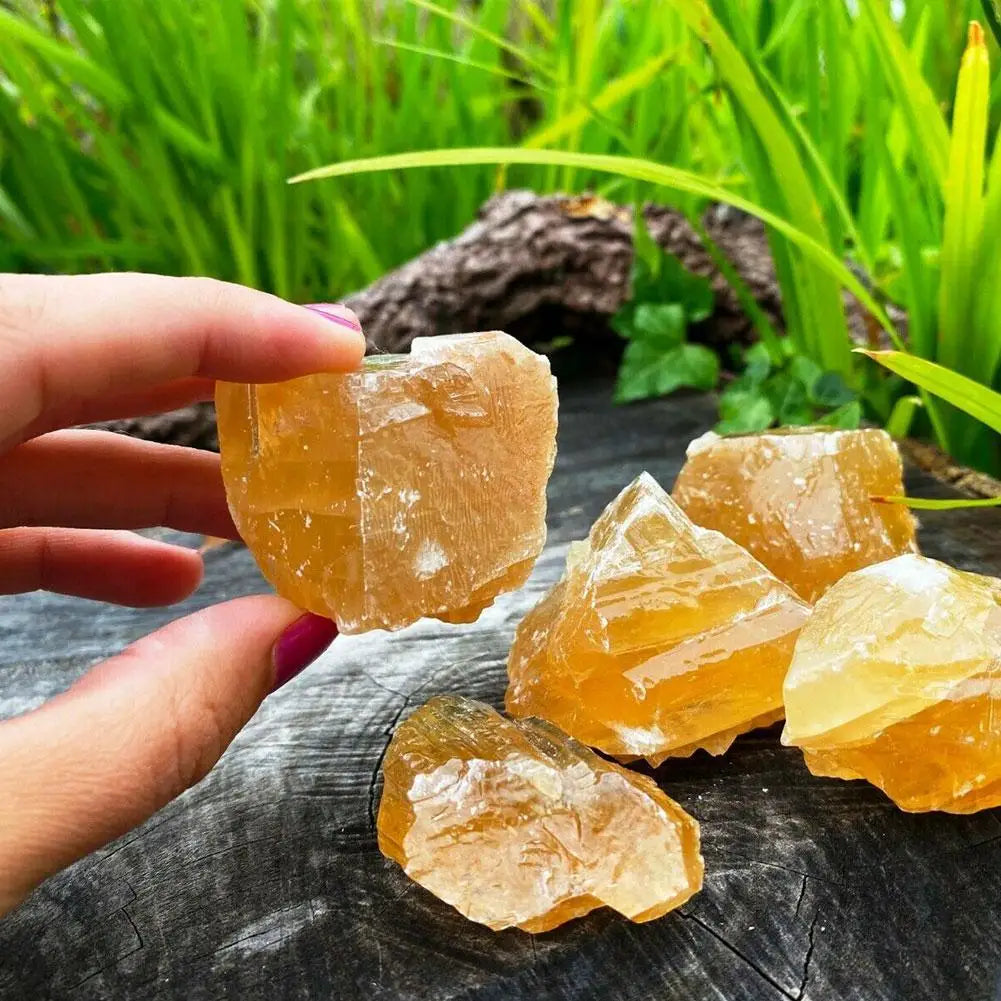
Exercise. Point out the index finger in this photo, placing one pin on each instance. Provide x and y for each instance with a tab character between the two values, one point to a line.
68	339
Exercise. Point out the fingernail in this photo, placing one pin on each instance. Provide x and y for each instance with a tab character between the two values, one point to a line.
300	644
336	313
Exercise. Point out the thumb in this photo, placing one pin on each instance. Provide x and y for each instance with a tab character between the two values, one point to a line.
138	730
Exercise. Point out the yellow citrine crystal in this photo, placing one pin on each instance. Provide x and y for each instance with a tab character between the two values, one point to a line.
515	824
896	679
798	499
661	638
413	487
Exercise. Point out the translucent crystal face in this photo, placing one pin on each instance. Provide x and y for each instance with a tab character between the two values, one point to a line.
661	637
798	500
517	825
413	487
896	679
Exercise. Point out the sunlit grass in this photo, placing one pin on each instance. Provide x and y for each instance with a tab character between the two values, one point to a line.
841	125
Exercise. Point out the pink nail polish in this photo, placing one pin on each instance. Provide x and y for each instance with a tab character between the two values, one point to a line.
300	644
336	313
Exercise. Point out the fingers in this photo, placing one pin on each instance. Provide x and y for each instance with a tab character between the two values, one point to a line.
135	732
118	567
68	339
138	403
98	479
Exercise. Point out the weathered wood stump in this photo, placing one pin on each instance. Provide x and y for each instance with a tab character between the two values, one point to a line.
265	882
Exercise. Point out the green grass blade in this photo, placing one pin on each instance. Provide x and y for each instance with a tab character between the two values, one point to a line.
901	418
823	321
971	397
914	96
766	332
611	94
631	167
992	15
13	217
81	69
491	68
935	504
958	345
472	26
534	12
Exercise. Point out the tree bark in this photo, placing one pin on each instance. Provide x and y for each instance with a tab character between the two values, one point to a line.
541	266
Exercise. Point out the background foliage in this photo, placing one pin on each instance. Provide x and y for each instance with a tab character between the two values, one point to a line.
159	136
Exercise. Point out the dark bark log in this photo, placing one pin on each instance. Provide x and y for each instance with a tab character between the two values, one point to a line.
541	266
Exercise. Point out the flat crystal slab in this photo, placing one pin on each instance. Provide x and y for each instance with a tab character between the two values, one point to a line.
896	679
798	500
517	825
661	638
413	487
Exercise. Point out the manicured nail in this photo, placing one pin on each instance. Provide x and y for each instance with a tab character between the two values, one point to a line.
336	313
300	644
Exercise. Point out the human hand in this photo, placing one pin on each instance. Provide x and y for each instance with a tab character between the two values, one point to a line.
138	729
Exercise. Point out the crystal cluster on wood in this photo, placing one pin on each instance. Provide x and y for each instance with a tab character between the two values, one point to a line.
896	679
661	638
413	487
517	825
798	499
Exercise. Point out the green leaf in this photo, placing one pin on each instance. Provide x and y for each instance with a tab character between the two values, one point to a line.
849	416
647	370
693	292
795	407
776	387
805	371
898	425
758	363
744	411
829	389
697	365
622	321
662	324
969	396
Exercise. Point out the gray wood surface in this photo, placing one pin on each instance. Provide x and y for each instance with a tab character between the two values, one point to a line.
264	882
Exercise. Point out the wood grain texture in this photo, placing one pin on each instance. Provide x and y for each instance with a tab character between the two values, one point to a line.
264	882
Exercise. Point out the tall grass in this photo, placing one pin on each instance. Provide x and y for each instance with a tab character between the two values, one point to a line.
159	136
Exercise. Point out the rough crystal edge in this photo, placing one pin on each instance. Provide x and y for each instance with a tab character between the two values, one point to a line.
690	833
715	744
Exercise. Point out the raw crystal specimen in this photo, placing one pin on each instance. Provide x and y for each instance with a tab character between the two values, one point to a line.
413	487
661	638
515	824
798	499
896	679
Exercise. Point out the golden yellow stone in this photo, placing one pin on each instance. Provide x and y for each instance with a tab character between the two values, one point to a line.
798	499
515	824
661	638
896	679
413	487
